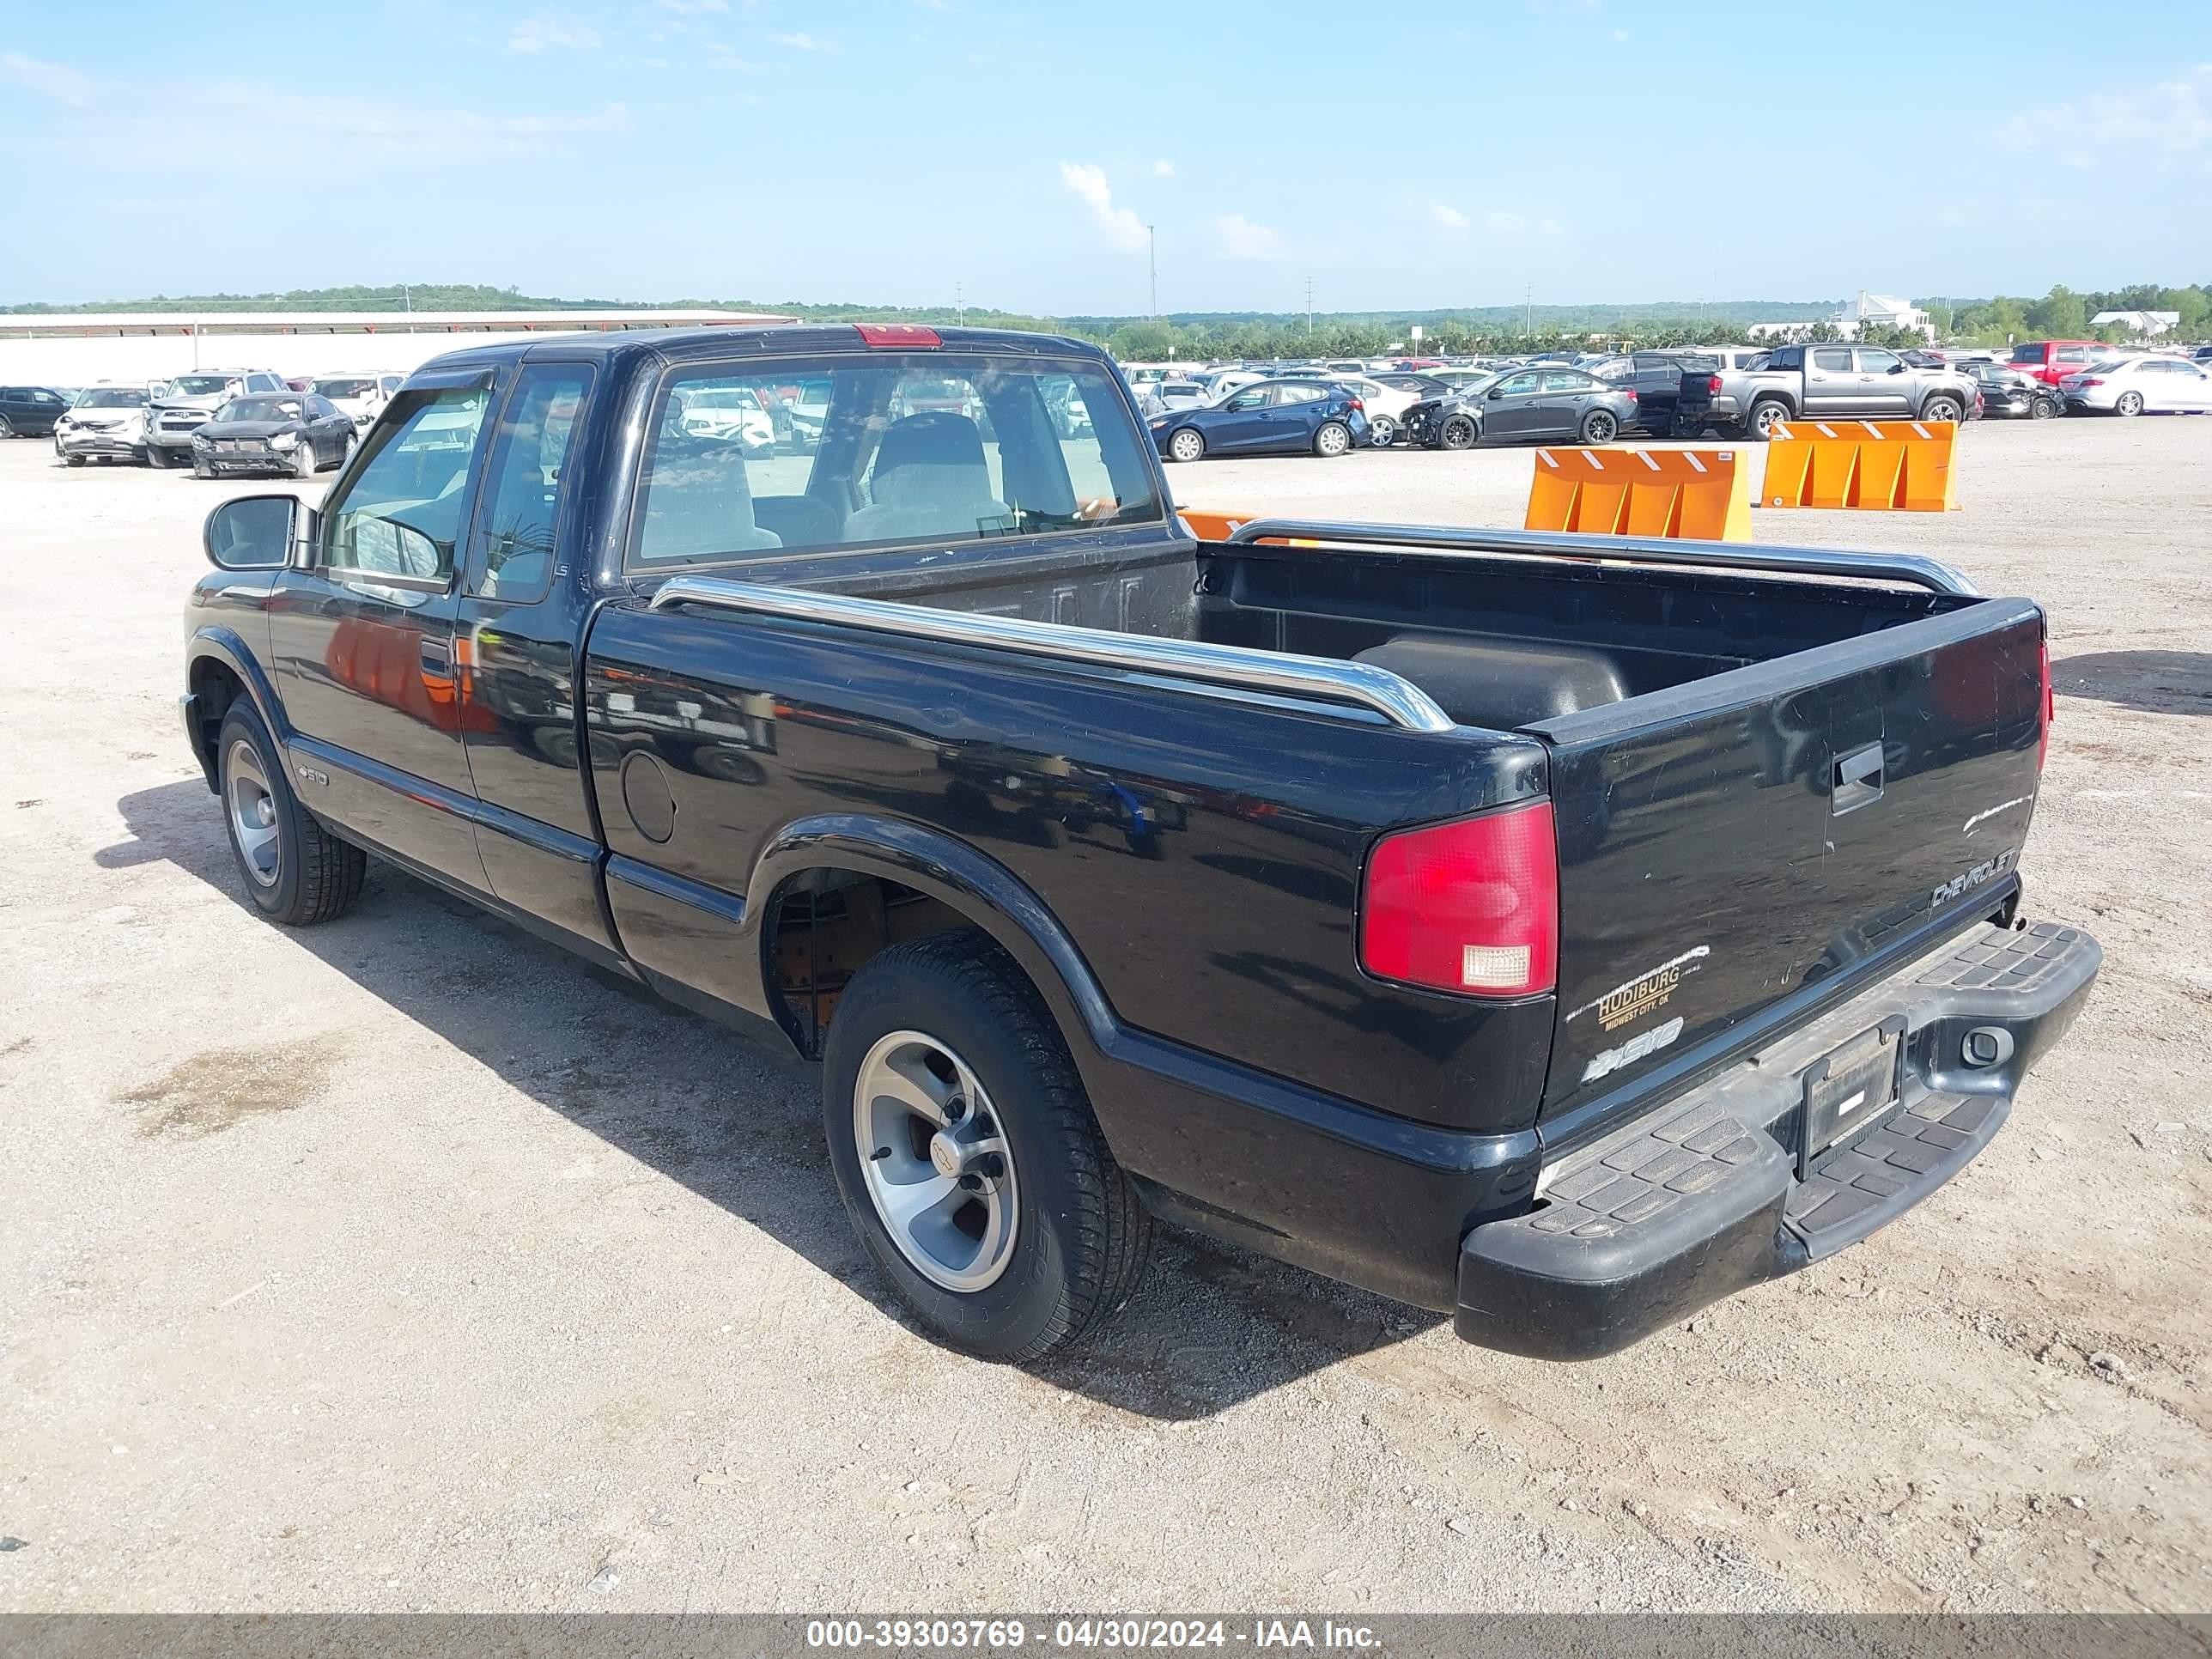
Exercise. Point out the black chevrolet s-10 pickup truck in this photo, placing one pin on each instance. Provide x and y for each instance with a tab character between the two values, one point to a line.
1560	932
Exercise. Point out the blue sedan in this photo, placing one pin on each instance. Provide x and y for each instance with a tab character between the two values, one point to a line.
1275	418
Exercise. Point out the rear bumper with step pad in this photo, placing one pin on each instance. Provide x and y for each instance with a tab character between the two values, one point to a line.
1790	1155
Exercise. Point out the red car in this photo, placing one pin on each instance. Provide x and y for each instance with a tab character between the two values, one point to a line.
2052	361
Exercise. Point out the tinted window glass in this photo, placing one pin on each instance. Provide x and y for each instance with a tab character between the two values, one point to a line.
1295	394
1831	358
348	386
522	480
259	409
1561	379
119	396
1254	397
2070	355
403	512
1513	385
1877	362
927	446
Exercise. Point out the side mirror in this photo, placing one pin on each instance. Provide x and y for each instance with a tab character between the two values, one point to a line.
1897	368
1495	393
259	532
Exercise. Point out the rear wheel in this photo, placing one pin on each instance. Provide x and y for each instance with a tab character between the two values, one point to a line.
1334	438
6	430
296	872
1186	446
1941	409
1459	432
1599	427
1765	416
1382	432
967	1155
2130	404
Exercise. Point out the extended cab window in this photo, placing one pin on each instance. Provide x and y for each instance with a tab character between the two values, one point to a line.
1872	361
1833	360
402	514
887	447
522	481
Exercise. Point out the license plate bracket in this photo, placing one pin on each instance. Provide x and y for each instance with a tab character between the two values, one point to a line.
1850	1090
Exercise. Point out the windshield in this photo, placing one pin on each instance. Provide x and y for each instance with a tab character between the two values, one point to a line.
112	396
200	385
260	409
346	388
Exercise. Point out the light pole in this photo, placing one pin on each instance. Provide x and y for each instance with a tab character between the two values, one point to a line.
1152	265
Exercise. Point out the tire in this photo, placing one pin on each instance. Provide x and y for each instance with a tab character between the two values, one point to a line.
73	460
1941	408
301	874
2043	409
1334	438
1187	444
202	470
156	456
345	455
304	463
7	431
1059	1236
2129	405
1382	432
1600	427
1760	422
1459	432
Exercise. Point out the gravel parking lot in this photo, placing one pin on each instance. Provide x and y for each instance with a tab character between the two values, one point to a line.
407	1263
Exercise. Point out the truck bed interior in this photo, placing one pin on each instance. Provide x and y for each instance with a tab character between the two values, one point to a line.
1499	641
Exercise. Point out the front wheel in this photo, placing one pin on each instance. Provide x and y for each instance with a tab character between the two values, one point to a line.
73	460
1460	432
967	1155
1599	427
303	460
1382	432
156	456
1939	408
2130	404
6	430
2043	409
1186	446
201	469
296	872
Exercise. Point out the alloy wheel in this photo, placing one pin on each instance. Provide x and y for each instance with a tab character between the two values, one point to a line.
936	1161
252	814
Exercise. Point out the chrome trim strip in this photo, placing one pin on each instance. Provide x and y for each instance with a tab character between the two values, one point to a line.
1396	700
1436	541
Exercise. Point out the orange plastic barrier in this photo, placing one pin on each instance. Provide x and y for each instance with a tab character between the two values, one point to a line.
1894	465
1681	494
1209	525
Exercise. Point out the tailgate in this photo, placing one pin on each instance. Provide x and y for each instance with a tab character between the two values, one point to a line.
1732	850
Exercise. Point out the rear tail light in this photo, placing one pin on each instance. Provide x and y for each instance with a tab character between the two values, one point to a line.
1712	386
2050	708
909	335
1630	391
1470	907
1357	406
2090	379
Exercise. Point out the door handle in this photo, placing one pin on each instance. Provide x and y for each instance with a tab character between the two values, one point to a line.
1856	781
436	656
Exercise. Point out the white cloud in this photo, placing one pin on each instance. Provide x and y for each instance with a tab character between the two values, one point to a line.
1243	240
1123	230
1163	169
57	81
2170	121
536	34
1449	219
804	42
1504	224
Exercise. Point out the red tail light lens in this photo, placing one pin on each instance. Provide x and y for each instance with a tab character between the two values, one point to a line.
1630	391
912	336
1470	907
2092	380
1713	385
1357	406
2050	709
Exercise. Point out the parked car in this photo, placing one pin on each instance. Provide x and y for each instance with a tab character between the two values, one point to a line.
1280	417
191	401
2052	361
1870	382
1553	403
30	411
361	396
2008	394
106	423
1655	376
1409	935
1385	406
1183	394
737	414
2140	385
295	432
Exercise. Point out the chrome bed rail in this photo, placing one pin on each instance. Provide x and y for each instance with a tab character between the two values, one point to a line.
1377	691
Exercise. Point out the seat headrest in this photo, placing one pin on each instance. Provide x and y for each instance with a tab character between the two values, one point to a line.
939	438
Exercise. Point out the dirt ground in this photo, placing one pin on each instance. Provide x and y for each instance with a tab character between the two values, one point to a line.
407	1263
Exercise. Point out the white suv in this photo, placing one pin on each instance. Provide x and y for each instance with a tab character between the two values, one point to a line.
190	404
362	396
108	422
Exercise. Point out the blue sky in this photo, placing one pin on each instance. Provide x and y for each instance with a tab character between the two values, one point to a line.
896	151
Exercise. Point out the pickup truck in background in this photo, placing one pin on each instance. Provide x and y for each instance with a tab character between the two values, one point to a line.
1818	382
2052	361
1556	931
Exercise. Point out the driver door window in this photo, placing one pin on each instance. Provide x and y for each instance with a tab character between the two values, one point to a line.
402	515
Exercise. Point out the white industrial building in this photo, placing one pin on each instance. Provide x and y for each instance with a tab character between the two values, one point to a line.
1881	311
2144	325
79	348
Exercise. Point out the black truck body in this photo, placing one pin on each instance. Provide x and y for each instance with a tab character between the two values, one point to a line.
1757	813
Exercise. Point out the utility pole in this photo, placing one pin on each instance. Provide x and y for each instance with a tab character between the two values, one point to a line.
1309	311
1528	311
1152	265
959	303
407	296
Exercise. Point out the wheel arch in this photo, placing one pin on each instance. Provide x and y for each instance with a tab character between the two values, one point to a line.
219	669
